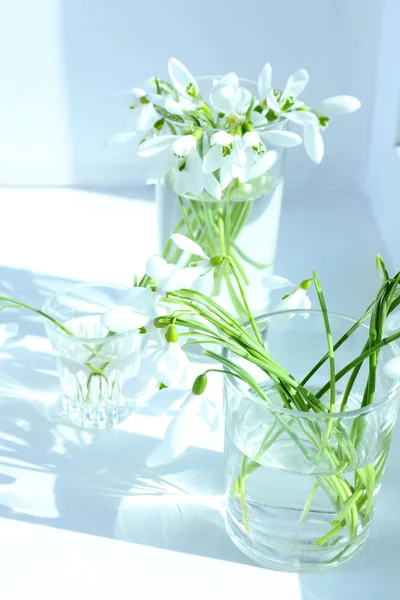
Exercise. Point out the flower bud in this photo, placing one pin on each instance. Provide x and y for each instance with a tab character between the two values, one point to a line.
172	334
199	385
248	127
215	261
305	284
206	109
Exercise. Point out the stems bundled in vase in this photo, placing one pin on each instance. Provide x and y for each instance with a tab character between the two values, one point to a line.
216	144
331	425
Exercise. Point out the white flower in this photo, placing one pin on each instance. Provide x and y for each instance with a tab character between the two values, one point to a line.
179	152
225	154
295	299
203	269
142	118
184	82
258	160
196	413
7	330
228	97
285	104
337	105
164	361
136	308
170	277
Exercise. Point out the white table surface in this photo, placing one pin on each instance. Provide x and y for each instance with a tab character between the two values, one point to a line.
80	514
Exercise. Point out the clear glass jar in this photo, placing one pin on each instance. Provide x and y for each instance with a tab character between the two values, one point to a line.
93	363
244	224
301	485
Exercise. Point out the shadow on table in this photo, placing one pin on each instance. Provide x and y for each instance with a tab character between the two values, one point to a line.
94	482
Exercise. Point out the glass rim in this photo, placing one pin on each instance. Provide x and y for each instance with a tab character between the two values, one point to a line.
235	382
78	339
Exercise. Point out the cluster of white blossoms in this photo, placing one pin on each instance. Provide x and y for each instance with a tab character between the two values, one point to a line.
226	140
165	368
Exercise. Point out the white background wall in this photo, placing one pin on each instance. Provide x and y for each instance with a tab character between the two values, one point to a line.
63	59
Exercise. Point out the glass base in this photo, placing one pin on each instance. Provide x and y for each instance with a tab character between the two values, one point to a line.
95	416
290	556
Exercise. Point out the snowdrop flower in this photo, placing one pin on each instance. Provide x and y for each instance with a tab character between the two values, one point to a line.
337	105
196	412
228	97
169	277
204	269
225	154
296	299
7	330
258	160
281	103
167	362
179	152
184	82
136	308
143	117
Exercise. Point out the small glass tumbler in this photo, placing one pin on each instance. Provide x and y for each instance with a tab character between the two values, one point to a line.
93	362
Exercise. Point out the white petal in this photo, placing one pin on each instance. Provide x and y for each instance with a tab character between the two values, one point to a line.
265	81
121	138
194	169
223	138
251	138
165	398
296	83
276	282
212	186
313	143
392	368
209	413
172	364
188	245
258	119
181	279
181	77
264	164
155	145
273	102
338	105
223	99
205	283
157	268
184	144
304	304
228	79
242	100
123	318
225	175
140	298
213	159
301	117
285	139
143	117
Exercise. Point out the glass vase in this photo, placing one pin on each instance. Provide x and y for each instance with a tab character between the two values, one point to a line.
301	485
93	363
244	224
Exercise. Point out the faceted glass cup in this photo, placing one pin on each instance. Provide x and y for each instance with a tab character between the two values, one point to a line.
93	363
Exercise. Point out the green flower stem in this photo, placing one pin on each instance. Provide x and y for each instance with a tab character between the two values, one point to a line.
245	302
329	340
239	267
359	359
19	304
